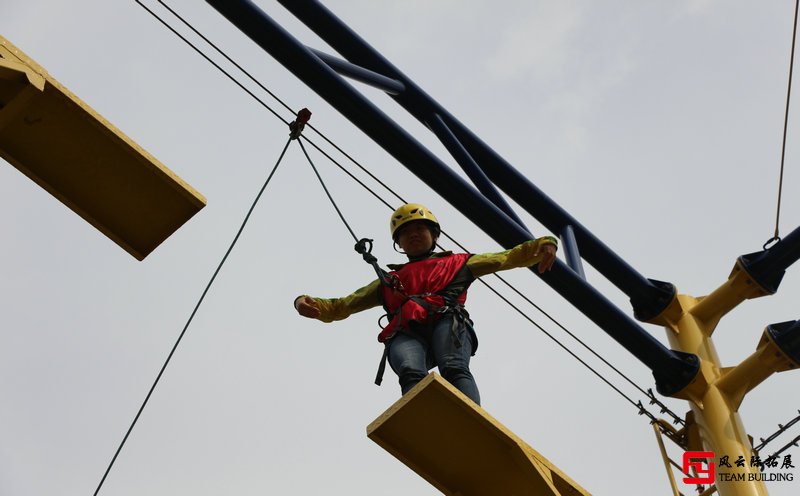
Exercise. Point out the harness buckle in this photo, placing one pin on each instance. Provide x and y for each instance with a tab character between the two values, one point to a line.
395	283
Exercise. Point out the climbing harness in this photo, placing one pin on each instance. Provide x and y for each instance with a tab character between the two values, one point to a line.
363	247
450	306
392	282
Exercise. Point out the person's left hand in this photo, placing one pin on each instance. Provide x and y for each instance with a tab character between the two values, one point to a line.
548	253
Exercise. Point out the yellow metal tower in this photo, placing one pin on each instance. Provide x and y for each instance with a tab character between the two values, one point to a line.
717	392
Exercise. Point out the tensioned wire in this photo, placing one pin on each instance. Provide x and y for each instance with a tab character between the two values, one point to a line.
781	429
648	393
260	85
564	347
361	167
191	317
639	405
261	102
641	409
775	236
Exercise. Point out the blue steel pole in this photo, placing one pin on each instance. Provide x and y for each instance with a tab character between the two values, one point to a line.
472	169
436	124
366	76
648	297
672	370
571	252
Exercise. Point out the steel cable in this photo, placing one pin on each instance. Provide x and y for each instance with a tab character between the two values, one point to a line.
775	236
360	166
189	321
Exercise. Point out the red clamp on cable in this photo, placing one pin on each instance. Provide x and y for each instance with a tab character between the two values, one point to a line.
296	127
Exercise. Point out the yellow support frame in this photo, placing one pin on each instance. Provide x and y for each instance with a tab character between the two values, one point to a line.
71	151
717	392
460	449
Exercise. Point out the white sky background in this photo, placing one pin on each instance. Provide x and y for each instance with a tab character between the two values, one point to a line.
656	124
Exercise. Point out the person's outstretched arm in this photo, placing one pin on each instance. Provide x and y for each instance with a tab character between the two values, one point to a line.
330	309
541	251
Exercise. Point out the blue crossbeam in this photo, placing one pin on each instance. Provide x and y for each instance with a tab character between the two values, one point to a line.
571	252
358	73
471	167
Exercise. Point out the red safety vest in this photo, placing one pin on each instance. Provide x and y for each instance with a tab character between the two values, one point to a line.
421	281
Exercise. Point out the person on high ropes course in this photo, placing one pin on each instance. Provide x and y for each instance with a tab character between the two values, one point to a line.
424	300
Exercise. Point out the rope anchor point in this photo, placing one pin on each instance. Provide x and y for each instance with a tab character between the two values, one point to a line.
296	127
769	244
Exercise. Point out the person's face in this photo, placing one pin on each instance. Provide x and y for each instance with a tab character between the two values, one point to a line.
415	238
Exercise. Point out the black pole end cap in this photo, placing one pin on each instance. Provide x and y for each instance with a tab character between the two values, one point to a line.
649	304
766	274
677	373
786	336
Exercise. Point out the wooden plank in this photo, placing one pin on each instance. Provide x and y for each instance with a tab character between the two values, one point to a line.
460	449
71	151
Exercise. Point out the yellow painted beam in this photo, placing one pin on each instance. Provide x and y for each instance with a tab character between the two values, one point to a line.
71	151
768	359
459	448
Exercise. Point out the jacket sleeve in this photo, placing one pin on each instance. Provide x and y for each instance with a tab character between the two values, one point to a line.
340	308
522	255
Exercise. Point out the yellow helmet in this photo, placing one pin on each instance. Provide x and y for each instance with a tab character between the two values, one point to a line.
409	213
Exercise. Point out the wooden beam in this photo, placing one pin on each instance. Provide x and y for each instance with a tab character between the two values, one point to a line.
71	151
458	447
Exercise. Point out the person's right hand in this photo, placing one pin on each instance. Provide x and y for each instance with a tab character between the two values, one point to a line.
307	307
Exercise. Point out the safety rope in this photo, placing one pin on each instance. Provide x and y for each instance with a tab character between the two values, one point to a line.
638	405
328	193
196	307
363	246
371	191
776	237
286	106
640	408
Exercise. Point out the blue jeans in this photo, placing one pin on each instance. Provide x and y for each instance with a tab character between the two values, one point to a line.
411	357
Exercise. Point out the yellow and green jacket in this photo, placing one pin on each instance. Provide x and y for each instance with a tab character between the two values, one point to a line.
369	296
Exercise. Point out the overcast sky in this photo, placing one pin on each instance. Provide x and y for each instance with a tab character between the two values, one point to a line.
658	125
